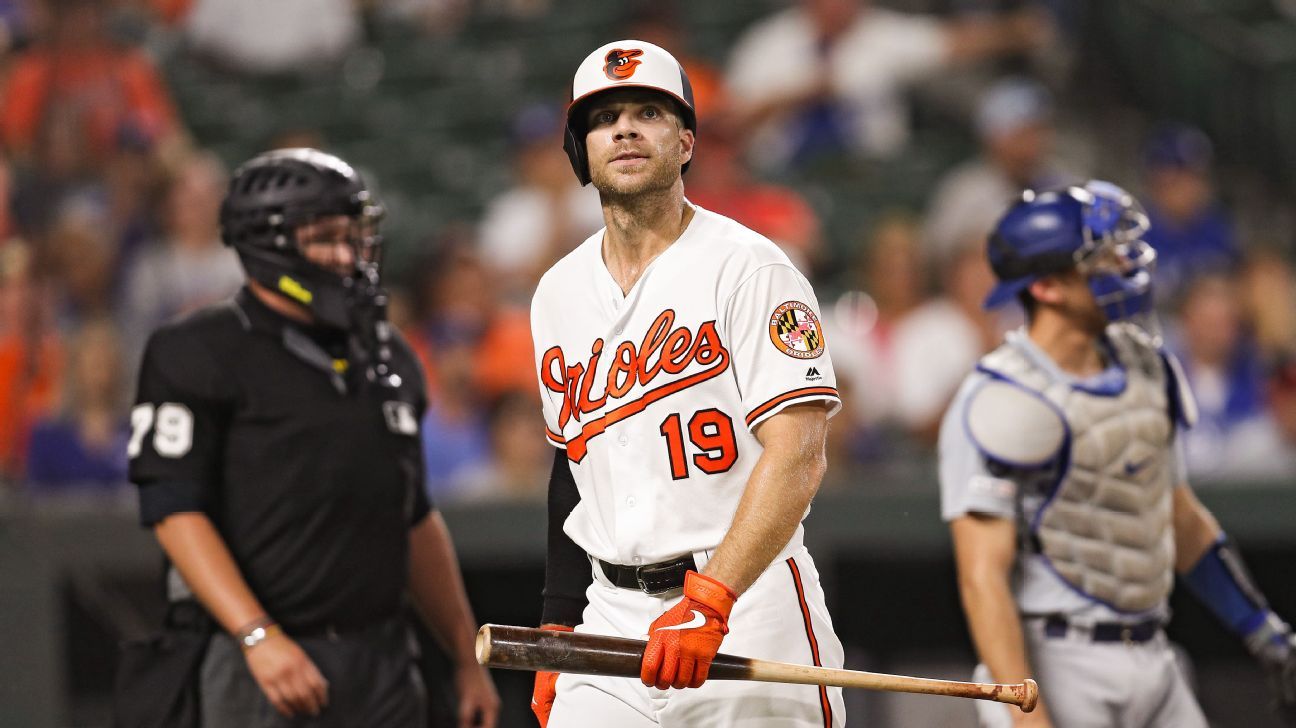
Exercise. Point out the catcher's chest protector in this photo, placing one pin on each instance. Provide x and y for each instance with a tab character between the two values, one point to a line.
1106	527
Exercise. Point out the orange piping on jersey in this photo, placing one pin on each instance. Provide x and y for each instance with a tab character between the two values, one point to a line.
577	446
794	394
554	437
810	635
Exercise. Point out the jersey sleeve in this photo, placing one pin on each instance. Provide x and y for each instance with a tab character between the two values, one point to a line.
549	370
966	483
422	504
776	338
567	568
177	427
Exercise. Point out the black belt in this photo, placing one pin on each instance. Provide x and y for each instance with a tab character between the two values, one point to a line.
658	578
1058	626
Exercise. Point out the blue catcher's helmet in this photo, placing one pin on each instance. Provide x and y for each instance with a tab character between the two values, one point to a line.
1095	229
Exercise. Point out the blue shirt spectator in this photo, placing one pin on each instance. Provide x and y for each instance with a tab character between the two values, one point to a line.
1190	232
60	457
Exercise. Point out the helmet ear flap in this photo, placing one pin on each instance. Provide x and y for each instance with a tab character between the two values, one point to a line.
575	148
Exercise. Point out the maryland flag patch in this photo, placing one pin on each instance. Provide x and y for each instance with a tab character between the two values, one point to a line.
796	331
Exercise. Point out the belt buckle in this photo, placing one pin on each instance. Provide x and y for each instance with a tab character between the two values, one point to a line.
1127	635
643	583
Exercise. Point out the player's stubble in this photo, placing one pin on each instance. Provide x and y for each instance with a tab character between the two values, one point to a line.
661	172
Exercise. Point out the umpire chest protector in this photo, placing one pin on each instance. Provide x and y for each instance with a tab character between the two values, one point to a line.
1103	449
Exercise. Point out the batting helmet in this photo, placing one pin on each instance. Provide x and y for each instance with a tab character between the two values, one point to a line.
623	64
271	196
1096	229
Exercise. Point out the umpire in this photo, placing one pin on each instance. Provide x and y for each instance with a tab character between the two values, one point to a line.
275	444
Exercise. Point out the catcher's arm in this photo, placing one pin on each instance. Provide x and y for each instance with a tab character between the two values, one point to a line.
985	548
1212	568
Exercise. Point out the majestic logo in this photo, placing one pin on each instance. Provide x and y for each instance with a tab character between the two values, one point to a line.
621	64
813	375
663	350
795	331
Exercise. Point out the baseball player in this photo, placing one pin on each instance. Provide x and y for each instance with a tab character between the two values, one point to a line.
1062	479
686	382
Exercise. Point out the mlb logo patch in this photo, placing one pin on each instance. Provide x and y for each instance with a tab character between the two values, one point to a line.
400	418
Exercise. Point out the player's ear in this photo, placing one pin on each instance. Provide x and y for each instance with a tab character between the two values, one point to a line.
687	140
1046	289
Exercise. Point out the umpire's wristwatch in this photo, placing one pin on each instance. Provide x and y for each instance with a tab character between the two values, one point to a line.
257	632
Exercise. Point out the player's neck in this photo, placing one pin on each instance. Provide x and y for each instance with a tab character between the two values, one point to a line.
1074	349
639	229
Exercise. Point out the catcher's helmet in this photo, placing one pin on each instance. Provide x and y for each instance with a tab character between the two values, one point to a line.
623	64
274	194
1095	229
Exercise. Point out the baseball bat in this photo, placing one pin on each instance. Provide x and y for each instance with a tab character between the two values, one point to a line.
526	648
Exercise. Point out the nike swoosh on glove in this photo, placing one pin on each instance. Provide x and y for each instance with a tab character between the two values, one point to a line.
683	641
542	696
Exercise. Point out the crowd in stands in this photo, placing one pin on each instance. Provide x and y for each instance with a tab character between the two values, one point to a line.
109	223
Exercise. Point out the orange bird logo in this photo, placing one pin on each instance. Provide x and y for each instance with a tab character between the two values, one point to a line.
621	64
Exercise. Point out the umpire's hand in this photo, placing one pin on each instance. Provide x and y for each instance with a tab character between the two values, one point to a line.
478	702
291	682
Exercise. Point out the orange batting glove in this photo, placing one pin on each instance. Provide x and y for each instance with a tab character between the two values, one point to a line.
542	697
683	641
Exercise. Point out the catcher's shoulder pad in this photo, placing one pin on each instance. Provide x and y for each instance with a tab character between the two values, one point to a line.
1013	425
1183	405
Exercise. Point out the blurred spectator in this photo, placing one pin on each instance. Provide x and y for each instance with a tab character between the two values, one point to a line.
720	181
545	214
474	348
1190	231
17	18
658	22
956	326
1282	403
85	445
890	279
188	267
456	436
1268	289
519	461
30	354
130	185
1014	123
1235	435
82	257
8	226
461	304
284	36
828	77
81	96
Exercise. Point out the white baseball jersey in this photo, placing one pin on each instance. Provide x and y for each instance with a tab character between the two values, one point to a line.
654	393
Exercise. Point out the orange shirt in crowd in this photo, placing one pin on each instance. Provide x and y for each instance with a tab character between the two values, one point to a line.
29	389
104	90
775	212
503	358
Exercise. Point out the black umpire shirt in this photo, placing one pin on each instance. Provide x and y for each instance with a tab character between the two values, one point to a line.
312	476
